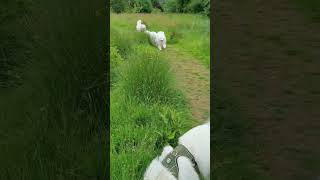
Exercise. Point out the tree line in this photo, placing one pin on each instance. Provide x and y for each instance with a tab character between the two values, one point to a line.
170	6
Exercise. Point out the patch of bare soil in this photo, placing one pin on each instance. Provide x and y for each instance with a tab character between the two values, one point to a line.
193	79
269	59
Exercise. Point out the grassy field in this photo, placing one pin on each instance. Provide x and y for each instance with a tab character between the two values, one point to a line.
148	111
53	90
190	33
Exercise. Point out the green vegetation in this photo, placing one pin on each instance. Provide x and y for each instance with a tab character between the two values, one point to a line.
168	6
53	95
187	32
147	110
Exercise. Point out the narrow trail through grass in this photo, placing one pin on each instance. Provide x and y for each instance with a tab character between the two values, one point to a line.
193	78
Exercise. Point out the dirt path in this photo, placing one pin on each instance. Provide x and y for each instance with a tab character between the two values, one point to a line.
275	78
193	79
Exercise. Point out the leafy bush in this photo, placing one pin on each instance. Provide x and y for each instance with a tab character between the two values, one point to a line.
142	6
199	6
207	9
118	6
187	6
172	130
157	4
171	6
195	6
183	5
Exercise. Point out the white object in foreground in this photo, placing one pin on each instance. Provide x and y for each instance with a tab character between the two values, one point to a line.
197	142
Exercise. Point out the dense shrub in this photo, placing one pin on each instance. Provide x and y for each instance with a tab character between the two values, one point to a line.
195	6
182	5
118	6
142	6
188	6
171	6
207	8
176	5
199	6
157	4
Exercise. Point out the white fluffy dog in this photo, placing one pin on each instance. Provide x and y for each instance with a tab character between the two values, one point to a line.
140	27
197	142
158	39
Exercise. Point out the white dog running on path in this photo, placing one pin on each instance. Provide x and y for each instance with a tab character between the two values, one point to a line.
158	39
140	27
189	160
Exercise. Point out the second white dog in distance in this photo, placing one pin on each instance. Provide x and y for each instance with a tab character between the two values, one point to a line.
140	27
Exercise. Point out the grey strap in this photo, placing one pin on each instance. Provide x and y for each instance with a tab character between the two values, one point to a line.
170	161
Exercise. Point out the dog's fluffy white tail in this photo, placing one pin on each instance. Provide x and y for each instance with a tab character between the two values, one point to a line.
147	32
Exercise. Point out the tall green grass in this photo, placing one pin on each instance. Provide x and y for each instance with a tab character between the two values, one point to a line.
52	124
147	110
147	77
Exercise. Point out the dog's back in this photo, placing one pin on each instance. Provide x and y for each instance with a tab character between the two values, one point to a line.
152	36
197	140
